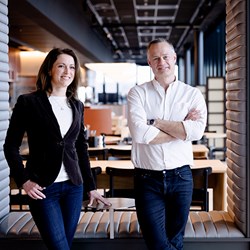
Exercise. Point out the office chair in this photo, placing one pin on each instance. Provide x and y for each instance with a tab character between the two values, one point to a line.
96	171
121	182
200	199
221	150
119	154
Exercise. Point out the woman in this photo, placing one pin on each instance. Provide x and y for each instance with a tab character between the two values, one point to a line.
58	163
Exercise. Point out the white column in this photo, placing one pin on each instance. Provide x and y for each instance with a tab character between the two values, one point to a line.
201	79
188	67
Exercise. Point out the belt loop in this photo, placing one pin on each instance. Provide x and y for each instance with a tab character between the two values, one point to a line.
164	172
176	171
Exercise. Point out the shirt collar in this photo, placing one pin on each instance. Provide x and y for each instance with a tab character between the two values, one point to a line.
158	86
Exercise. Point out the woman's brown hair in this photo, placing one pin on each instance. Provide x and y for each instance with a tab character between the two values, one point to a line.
43	82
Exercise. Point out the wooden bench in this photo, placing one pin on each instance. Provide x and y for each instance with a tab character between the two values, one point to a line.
17	229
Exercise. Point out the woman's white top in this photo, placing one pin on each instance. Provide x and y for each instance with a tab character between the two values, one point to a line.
64	116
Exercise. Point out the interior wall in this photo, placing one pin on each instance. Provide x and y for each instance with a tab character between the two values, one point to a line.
4	106
236	119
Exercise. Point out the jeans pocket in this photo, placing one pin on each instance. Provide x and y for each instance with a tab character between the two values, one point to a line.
186	175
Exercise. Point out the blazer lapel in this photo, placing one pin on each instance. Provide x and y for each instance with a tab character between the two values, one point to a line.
47	110
76	117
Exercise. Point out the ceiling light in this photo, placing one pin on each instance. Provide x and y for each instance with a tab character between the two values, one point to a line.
103	6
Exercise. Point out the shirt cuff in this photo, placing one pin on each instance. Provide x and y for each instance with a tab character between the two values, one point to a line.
151	134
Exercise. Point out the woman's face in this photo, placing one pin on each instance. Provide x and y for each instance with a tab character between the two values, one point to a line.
63	71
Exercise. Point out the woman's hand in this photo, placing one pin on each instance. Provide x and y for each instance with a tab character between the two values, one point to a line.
33	190
94	196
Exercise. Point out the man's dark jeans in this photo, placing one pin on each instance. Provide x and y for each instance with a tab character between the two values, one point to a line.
163	201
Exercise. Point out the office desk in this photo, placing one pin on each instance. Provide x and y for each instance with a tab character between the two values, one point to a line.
196	147
112	139
199	150
217	180
212	136
215	135
120	146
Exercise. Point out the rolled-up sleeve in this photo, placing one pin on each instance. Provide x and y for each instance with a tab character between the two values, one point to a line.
137	117
195	129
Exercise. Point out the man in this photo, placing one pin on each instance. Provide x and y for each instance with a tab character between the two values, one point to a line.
165	116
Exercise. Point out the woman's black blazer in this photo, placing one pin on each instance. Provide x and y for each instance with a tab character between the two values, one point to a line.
47	148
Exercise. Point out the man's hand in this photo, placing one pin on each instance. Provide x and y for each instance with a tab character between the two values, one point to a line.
193	115
162	137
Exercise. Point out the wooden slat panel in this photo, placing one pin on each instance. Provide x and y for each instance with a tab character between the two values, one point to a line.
236	110
237	179
233	8
233	199
236	95
236	213
241	161
236	106
236	63
235	116
235	126
233	44
235	167
236	84
237	148
236	137
4	106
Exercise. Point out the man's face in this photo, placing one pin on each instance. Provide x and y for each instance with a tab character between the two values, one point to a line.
162	59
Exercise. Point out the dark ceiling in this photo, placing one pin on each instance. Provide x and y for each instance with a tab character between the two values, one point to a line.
106	30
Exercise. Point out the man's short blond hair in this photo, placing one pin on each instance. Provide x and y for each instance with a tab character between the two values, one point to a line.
160	40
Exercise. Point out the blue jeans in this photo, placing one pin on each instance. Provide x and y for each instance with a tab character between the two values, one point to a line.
163	200
57	215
